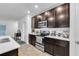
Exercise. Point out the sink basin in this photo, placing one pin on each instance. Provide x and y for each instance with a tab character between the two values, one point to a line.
4	40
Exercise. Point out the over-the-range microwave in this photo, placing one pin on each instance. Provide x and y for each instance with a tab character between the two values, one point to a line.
42	24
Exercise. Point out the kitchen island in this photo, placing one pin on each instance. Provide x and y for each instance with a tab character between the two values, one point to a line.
8	46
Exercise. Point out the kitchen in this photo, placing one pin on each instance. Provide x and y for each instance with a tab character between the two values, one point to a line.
49	30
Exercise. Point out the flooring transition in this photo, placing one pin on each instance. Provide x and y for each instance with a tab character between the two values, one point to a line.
29	50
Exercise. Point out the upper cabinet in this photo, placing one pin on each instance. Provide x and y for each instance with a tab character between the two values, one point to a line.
57	17
62	16
51	19
34	22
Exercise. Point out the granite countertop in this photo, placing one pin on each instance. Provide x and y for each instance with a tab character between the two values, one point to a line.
7	45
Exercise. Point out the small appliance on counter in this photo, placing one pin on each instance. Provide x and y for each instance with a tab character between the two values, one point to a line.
37	31
44	33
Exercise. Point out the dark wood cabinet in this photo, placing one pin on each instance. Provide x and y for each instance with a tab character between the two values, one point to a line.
37	19
61	51
58	17
10	53
56	47
48	46
32	39
62	16
61	48
34	22
51	19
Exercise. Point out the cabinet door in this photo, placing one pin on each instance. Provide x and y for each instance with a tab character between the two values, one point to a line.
33	19
48	48
62	16
50	17
40	18
32	40
48	45
61	48
36	23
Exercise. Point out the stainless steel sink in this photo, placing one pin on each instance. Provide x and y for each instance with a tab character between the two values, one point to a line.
4	40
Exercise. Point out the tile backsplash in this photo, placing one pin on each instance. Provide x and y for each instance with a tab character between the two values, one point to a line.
64	32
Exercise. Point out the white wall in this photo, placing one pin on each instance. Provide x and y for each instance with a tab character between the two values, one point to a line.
22	27
11	26
76	29
72	28
25	26
28	27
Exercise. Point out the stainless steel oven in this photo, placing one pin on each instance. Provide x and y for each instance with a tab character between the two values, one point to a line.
39	40
39	43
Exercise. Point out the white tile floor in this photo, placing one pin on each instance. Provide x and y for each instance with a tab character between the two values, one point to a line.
29	50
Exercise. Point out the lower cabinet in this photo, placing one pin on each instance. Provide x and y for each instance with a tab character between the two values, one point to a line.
49	48
10	53
32	39
61	48
60	51
48	45
56	47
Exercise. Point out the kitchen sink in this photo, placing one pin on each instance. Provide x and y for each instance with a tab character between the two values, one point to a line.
4	40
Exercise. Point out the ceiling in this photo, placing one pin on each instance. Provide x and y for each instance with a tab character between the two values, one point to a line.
19	10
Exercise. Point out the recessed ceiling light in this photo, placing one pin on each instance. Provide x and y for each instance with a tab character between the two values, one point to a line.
36	6
28	12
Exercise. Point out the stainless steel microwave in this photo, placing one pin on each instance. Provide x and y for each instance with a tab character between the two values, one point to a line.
42	24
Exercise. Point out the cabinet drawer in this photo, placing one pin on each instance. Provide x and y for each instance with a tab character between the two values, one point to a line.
61	43
32	39
48	40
